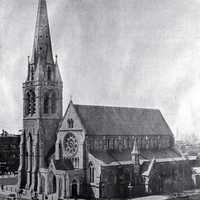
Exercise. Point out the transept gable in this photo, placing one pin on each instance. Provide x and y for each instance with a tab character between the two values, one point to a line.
71	119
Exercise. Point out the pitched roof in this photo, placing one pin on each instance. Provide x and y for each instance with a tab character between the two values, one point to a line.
104	120
63	164
169	153
111	157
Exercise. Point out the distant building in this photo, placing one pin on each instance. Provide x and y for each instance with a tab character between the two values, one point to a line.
91	151
9	152
194	163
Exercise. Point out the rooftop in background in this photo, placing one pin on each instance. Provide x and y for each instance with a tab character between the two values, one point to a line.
6	134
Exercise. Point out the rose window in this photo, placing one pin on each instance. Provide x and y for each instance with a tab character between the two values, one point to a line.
70	145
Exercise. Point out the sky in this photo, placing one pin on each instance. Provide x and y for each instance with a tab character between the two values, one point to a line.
138	53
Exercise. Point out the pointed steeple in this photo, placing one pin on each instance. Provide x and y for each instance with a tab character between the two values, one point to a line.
135	154
42	50
135	150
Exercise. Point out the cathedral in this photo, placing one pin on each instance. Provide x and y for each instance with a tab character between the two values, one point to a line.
89	151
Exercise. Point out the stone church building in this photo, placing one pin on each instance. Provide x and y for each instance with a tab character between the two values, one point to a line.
90	151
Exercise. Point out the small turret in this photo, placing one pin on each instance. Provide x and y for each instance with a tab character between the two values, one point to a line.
135	153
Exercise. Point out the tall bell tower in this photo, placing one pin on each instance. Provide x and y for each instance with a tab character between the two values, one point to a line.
42	104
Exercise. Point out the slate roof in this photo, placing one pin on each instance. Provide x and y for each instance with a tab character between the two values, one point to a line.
105	120
63	164
111	157
169	153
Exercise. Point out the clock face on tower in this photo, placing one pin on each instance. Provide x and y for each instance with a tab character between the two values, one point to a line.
70	145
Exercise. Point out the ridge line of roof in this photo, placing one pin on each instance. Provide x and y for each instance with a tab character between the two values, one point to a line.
135	135
123	107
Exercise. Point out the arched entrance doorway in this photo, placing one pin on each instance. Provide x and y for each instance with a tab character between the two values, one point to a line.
74	188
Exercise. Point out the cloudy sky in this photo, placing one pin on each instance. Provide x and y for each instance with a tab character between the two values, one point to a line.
140	53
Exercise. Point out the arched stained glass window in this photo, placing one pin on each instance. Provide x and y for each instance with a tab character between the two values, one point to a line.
53	103
76	164
46	103
28	103
70	123
32	102
60	151
32	73
49	74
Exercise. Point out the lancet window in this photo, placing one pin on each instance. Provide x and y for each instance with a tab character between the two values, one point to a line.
30	102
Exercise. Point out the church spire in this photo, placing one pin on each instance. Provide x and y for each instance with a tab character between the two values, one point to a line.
135	150
42	49
135	155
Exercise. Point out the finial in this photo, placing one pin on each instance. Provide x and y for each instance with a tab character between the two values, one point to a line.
28	59
56	58
71	97
135	148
